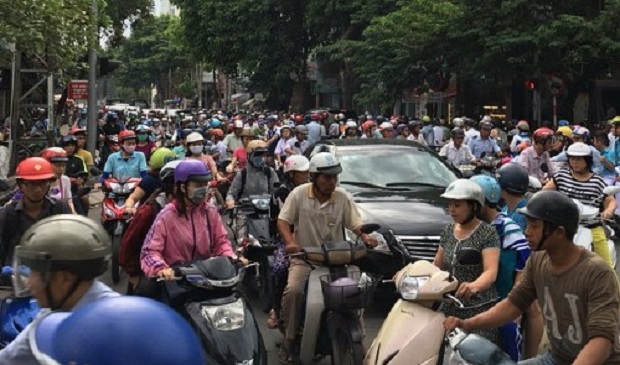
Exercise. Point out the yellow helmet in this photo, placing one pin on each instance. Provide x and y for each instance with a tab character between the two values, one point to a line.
566	131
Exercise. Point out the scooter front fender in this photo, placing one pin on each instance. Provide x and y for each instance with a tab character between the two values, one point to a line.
411	334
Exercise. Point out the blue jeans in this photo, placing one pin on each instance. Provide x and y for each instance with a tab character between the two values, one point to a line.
544	359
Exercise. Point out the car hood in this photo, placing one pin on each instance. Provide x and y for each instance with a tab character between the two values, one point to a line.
417	212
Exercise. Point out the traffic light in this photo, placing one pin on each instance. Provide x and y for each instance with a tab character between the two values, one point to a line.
108	65
530	85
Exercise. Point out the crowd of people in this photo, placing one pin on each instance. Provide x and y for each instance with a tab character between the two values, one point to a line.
528	257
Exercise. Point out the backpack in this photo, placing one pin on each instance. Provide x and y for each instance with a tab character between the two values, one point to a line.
244	177
12	227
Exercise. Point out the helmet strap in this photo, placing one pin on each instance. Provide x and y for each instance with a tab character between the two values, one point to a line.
547	231
68	294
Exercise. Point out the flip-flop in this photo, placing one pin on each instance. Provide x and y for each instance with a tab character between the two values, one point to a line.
285	357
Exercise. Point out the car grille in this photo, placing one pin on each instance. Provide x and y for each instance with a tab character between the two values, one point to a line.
424	247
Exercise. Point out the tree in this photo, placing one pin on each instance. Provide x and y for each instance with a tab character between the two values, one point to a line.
154	54
122	14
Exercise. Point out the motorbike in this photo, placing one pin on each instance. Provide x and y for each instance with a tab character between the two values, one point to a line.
337	293
588	215
205	294
251	226
487	164
17	310
113	217
413	332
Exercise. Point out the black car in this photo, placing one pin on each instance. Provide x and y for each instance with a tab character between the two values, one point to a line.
397	184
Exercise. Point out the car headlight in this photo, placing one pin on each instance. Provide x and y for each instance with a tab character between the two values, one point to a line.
227	317
261	204
116	188
409	286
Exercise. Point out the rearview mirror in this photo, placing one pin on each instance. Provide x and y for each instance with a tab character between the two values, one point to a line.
370	227
611	190
544	167
535	183
469	256
483	154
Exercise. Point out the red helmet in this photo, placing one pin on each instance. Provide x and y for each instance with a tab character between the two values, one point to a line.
55	154
299	118
77	130
315	116
217	132
367	125
542	134
34	168
125	136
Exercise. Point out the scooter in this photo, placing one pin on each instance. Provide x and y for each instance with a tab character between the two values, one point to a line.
473	349
256	243
204	292
588	214
113	217
413	332
337	292
17	310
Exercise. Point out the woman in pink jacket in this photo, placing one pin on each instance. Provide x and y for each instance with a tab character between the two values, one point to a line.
186	229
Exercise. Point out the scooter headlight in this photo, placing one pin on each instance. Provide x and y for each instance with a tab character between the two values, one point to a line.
116	188
127	188
409	286
227	317
261	204
108	212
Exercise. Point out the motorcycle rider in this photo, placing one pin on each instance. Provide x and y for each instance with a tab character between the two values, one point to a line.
456	152
578	291
144	145
195	145
414	127
514	253
187	228
580	183
581	134
477	287
60	188
403	132
427	131
151	181
295	174
240	154
87	335
82	152
387	130
319	212
256	179
234	140
33	177
470	131
298	145
58	261
125	163
533	157
523	136
316	131
483	142
350	131
368	129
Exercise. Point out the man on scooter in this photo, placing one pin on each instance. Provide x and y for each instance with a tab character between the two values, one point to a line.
319	211
578	290
58	262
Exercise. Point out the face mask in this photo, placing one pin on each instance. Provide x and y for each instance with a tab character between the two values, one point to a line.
142	137
258	162
198	195
196	150
129	149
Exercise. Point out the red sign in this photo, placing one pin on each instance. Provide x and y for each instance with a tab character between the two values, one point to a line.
78	90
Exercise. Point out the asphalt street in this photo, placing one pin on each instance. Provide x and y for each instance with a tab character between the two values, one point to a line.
373	316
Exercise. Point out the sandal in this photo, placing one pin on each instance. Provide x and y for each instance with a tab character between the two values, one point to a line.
285	357
273	321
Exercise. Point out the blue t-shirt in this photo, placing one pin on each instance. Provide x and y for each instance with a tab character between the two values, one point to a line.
517	217
609	155
149	184
514	253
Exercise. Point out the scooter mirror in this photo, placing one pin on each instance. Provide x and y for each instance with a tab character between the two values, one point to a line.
483	154
370	227
544	167
611	190
535	183
469	256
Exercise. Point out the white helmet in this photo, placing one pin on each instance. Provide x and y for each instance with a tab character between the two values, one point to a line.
464	189
325	163
579	149
296	163
458	122
340	116
351	124
238	124
386	126
194	137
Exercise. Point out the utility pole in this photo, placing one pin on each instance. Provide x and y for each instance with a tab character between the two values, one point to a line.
199	82
15	104
92	81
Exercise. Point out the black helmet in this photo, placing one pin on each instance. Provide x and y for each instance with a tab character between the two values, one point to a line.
553	207
513	178
457	132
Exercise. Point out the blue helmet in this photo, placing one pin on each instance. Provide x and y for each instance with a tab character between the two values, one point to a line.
117	331
215	123
490	188
112	117
563	123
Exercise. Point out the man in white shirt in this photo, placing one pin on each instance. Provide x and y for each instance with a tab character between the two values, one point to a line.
456	151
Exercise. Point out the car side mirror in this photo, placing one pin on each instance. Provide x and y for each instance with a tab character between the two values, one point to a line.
370	228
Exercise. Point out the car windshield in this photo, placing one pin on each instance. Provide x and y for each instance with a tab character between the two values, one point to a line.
392	167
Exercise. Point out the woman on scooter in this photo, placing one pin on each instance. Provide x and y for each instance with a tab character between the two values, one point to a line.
60	188
151	182
195	146
296	172
187	228
144	144
466	200
240	154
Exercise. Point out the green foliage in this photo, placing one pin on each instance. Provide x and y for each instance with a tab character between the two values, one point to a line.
123	13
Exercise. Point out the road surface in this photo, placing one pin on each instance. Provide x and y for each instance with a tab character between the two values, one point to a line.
373	317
